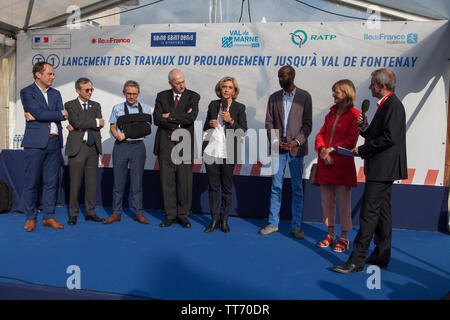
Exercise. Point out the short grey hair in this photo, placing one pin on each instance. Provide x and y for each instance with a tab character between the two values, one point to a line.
386	77
170	77
131	83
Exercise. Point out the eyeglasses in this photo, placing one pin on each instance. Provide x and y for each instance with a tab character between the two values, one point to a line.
131	93
88	90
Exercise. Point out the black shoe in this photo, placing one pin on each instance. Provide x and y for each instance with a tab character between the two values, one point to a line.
185	223
167	223
348	267
93	217
224	226
214	225
72	221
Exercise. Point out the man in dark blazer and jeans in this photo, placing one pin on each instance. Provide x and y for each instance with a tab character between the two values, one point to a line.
290	112
384	154
176	108
83	146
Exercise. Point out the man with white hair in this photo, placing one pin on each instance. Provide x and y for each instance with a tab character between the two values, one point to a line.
384	154
176	108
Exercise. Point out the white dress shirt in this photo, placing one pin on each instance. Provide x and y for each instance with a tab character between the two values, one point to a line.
53	127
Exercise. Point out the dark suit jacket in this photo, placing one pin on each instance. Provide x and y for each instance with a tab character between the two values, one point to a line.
37	132
299	123
237	113
384	149
179	118
82	122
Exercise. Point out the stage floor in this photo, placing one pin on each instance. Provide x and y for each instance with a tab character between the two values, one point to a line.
176	263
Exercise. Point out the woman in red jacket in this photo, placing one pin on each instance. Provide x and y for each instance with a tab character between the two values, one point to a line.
336	173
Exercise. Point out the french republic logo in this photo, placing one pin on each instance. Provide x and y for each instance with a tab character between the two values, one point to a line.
110	40
41	40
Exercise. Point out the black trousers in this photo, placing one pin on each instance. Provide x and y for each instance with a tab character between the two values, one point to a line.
375	221
84	164
220	176
176	185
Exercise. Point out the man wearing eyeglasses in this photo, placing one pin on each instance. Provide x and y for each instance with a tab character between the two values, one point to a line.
128	152
84	144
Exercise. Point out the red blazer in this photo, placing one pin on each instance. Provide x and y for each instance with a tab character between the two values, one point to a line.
343	172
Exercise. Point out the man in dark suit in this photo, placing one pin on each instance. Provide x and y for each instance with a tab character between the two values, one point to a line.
83	146
176	108
384	154
42	145
290	112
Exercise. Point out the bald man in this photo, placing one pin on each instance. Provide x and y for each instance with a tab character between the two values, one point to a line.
176	108
289	111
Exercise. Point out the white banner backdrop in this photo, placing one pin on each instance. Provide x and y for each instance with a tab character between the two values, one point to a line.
321	53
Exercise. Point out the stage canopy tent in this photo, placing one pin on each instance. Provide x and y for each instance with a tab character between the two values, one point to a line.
16	15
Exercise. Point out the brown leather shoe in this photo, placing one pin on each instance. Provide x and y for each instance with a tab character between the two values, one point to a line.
140	218
52	223
112	218
29	225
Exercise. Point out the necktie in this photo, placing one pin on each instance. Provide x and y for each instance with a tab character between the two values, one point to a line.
176	101
90	140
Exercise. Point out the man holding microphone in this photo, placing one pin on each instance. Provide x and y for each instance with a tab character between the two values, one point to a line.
384	154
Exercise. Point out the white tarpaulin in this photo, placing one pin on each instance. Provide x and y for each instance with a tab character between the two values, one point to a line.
321	53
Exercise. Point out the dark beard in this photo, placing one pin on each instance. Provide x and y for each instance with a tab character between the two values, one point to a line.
285	84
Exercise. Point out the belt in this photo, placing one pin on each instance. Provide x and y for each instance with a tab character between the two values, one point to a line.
132	142
52	136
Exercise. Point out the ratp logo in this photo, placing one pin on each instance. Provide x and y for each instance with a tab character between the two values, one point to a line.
412	38
298	37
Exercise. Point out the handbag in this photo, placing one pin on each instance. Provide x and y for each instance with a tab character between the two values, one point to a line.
312	175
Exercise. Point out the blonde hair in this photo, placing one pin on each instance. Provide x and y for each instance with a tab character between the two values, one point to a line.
348	88
220	84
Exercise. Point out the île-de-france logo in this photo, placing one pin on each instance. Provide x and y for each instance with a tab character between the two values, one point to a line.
298	37
239	39
412	38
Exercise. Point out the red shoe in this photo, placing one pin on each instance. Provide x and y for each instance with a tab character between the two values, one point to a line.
342	245
329	240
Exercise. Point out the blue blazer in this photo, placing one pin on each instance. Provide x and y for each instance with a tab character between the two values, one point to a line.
37	132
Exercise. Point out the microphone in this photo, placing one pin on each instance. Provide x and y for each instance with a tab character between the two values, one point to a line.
364	109
365	106
224	103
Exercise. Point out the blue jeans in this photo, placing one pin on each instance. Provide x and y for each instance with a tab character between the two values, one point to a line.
296	169
134	155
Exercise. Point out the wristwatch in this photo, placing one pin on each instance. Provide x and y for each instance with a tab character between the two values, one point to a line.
332	149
